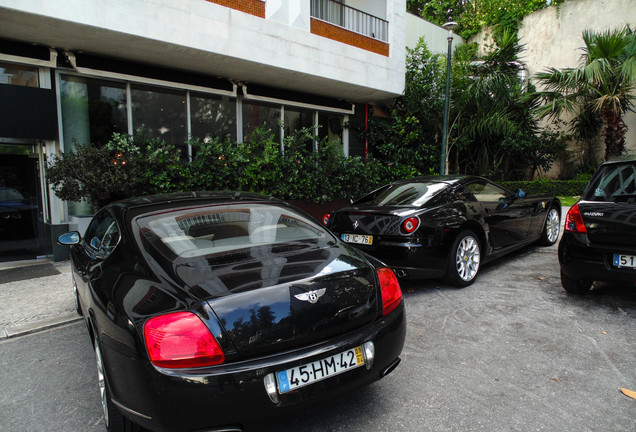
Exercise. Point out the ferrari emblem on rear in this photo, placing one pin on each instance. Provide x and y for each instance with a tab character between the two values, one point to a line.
355	224
311	296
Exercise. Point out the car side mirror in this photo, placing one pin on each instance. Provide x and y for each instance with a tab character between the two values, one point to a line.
519	194
70	238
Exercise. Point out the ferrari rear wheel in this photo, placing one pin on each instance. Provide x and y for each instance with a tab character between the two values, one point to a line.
575	286
113	418
463	259
551	228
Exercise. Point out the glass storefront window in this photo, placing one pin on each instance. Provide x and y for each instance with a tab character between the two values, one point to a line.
260	115
212	116
162	114
19	75
330	127
92	110
296	119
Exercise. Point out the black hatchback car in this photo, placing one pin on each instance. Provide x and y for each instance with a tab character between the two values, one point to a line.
599	236
211	311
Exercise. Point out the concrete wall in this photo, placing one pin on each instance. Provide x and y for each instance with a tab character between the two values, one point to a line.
553	37
204	37
434	35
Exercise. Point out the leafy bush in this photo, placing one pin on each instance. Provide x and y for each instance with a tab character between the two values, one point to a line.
543	185
134	166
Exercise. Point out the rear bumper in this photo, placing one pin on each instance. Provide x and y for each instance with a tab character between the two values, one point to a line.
582	261
410	260
233	395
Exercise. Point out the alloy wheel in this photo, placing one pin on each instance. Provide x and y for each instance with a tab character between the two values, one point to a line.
101	382
467	258
553	225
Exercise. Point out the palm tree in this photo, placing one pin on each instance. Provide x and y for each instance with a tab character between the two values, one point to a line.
601	87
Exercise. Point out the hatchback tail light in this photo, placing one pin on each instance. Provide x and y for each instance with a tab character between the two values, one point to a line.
326	218
181	340
410	224
391	292
574	220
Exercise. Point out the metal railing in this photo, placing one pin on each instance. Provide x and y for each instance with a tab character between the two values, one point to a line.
350	18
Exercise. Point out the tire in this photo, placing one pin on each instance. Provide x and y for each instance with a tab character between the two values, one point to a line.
551	228
463	260
114	420
575	286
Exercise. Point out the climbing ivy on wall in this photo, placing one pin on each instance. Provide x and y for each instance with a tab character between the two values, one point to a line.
473	15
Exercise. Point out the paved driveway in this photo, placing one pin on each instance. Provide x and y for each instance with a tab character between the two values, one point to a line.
512	352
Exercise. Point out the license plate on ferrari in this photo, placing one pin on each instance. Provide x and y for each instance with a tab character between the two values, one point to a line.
294	378
621	260
357	238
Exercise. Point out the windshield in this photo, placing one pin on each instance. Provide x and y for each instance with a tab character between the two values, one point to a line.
613	182
409	194
198	231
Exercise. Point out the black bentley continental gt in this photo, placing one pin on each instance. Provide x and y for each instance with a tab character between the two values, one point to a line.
213	311
445	226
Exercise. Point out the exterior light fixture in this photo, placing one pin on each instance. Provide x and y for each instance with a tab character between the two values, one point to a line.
450	26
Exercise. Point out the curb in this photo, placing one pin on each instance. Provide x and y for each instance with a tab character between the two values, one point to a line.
17	331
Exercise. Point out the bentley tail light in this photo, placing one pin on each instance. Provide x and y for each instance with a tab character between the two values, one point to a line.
391	292
410	224
181	340
326	218
574	220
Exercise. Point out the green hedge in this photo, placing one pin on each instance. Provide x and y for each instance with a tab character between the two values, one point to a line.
554	187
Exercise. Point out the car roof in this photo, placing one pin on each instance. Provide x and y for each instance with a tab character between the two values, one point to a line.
138	205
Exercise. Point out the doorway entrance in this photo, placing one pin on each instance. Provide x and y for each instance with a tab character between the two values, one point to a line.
21	216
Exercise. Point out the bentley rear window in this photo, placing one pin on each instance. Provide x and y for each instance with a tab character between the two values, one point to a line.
409	194
198	231
613	182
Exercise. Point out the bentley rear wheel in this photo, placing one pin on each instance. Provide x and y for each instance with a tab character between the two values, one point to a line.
113	418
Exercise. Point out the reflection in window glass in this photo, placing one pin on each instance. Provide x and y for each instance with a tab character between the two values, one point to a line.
213	116
200	231
409	194
330	127
257	115
161	113
92	110
296	119
18	75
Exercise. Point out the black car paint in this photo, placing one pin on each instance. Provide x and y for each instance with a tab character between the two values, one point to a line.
611	229
116	303
501	226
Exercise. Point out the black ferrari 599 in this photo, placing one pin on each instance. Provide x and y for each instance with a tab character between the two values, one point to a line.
445	226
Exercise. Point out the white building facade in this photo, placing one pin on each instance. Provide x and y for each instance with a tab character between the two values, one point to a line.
79	70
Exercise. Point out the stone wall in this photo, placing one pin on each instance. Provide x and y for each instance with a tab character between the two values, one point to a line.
552	37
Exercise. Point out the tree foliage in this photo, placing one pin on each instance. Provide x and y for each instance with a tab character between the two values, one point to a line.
137	165
598	92
473	15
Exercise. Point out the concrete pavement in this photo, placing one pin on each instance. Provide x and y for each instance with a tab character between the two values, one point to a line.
35	295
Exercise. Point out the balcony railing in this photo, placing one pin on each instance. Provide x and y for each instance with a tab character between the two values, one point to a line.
350	18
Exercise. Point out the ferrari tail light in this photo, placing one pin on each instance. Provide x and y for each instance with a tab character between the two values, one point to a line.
181	340
326	218
574	220
391	292
410	224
